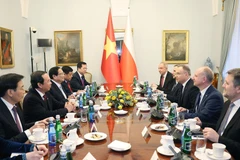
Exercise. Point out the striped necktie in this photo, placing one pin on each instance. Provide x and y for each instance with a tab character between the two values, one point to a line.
17	119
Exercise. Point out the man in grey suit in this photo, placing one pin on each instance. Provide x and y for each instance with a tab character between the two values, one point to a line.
227	129
209	101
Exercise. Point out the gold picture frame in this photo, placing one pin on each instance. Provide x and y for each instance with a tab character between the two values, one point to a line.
6	48
68	47
175	46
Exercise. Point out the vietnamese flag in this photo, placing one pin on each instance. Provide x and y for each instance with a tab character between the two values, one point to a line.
128	64
110	65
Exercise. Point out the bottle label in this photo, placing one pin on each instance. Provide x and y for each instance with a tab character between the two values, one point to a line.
187	146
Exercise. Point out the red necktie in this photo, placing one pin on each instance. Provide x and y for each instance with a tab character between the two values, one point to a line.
68	83
45	97
161	80
16	119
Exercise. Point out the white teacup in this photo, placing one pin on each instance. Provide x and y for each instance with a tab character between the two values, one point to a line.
72	135
68	143
218	150
192	123
138	89
167	140
37	133
102	89
70	116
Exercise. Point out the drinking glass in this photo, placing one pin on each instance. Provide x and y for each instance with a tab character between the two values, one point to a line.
180	119
201	144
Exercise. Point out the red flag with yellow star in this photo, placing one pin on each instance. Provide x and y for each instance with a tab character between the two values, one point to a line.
110	65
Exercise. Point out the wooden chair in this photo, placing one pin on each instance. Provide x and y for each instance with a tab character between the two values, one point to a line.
88	77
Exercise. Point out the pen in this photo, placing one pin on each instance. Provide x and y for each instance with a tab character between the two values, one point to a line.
36	147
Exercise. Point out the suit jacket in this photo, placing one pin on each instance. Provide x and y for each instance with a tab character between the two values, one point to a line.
66	89
35	108
57	93
210	107
8	127
168	83
188	97
230	136
76	82
8	147
175	93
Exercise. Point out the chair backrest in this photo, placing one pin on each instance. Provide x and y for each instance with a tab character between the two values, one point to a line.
88	77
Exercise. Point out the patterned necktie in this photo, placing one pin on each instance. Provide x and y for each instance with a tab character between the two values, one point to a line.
225	119
16	118
198	102
45	97
82	80
161	80
69	86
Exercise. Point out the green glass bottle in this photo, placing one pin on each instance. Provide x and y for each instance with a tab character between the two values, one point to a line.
84	99
134	81
69	154
90	91
58	128
172	116
186	139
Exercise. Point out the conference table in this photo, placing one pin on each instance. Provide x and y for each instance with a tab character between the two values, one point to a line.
126	128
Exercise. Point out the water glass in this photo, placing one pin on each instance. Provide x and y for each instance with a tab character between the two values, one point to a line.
201	144
180	119
83	115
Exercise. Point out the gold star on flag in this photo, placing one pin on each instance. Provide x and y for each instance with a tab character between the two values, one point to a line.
110	47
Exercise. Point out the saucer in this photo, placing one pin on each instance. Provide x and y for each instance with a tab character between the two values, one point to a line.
33	139
95	136
180	127
119	86
120	112
105	107
119	146
78	141
159	127
144	109
201	156
66	120
163	152
226	155
102	91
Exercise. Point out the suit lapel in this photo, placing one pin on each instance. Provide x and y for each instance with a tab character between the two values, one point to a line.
45	104
225	108
234	120
209	90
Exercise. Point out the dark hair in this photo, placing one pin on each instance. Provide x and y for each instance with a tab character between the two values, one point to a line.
67	69
9	81
36	77
79	65
53	71
236	76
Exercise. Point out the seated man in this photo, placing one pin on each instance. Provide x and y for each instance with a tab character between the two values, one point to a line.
78	82
166	79
175	93
31	152
189	92
209	102
227	129
68	72
38	103
57	91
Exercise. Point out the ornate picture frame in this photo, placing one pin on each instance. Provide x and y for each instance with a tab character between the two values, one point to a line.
175	46
68	47
6	48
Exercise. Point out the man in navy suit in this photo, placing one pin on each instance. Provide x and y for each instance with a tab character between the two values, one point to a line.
68	73
166	81
78	81
209	102
57	77
227	129
189	92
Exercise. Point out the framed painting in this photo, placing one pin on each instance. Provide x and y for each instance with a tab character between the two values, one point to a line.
6	51
175	46
119	37
68	47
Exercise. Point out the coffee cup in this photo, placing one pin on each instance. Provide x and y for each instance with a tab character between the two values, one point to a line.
37	133
167	140
218	150
68	144
192	123
70	116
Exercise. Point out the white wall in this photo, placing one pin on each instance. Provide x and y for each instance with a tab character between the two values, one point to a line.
148	19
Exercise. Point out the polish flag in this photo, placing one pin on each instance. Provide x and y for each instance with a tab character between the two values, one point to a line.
128	63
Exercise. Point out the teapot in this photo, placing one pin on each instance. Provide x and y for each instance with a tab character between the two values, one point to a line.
72	135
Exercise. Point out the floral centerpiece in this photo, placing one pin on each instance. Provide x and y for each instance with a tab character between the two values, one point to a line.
120	98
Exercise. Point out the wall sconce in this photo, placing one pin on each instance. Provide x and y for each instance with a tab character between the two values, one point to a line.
31	30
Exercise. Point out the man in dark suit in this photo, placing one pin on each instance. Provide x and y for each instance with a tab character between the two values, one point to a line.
68	72
227	129
57	77
189	91
175	92
78	81
32	152
38	103
166	81
209	102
